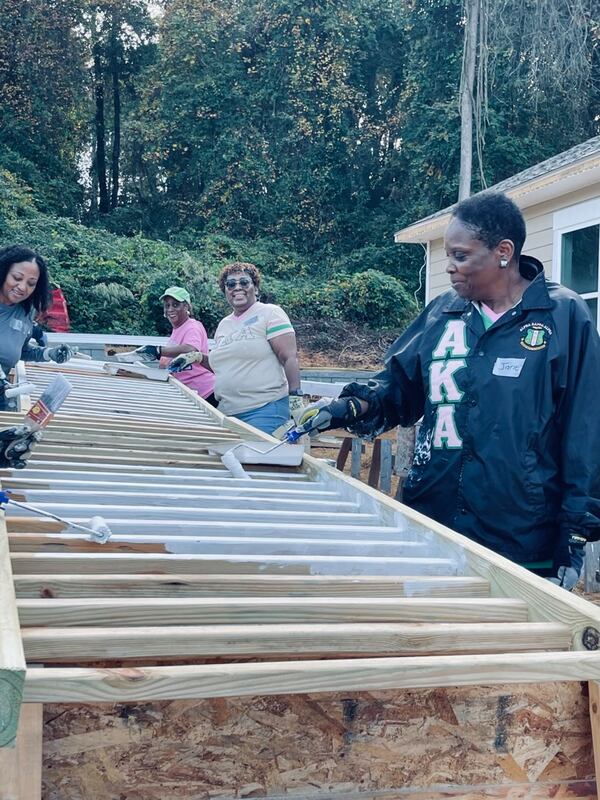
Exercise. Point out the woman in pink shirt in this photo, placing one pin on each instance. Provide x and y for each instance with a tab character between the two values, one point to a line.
188	335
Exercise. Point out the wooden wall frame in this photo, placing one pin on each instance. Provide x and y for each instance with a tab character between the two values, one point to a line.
322	588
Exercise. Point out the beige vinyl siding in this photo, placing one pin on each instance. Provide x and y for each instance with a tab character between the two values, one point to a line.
539	240
439	280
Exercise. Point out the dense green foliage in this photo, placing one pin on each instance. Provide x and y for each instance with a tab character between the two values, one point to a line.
113	282
298	134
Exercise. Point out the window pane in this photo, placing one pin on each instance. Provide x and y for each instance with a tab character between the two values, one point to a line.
593	307
580	259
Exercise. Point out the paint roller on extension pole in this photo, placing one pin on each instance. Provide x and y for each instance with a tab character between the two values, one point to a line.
39	415
315	417
97	529
289	453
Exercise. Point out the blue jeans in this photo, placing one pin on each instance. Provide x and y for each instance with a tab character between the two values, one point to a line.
269	417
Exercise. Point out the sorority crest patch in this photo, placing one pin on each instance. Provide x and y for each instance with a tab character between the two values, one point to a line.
535	336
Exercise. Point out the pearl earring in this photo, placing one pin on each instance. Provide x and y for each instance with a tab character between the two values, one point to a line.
503	263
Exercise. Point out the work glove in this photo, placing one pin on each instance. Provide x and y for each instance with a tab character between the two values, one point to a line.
325	414
567	575
15	446
296	406
60	353
185	361
143	354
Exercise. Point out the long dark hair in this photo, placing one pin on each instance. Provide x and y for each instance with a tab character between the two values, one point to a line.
14	254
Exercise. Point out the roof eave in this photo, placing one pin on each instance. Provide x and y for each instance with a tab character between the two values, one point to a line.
536	190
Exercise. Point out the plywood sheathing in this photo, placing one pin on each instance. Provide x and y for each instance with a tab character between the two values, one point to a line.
309	745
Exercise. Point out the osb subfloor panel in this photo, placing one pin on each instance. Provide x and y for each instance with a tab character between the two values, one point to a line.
507	742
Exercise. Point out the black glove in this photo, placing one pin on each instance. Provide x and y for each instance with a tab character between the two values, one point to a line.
15	446
143	355
321	416
569	560
59	354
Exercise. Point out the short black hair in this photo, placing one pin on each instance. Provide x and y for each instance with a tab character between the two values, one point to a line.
493	216
14	254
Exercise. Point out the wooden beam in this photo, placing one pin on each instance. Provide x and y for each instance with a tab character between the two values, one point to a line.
84	644
546	601
594	703
154	485
123	455
21	767
177	516
260	610
168	476
181	585
163	562
185	540
12	660
79	685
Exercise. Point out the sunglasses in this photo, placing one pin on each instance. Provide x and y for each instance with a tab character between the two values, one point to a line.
243	283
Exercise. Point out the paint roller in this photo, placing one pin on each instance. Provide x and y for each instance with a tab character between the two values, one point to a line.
233	464
38	417
97	528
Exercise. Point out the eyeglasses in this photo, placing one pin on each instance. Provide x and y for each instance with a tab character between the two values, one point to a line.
243	283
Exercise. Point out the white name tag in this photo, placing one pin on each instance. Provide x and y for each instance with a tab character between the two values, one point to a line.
508	367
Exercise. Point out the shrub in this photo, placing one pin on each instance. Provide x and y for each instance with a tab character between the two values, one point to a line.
112	283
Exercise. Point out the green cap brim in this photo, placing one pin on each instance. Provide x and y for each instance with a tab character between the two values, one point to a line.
178	293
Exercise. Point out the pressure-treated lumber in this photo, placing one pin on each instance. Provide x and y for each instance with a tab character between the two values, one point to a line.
122	558
546	602
81	685
202	500
83	644
44	468
185	539
316	580
21	766
62	612
194	585
226	520
201	487
120	456
12	660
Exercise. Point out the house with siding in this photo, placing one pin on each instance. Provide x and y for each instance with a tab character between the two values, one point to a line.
560	200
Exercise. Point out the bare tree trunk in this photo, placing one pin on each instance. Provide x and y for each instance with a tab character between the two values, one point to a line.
466	97
116	151
94	180
103	205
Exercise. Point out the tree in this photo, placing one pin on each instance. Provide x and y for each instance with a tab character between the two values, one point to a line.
42	96
117	30
537	57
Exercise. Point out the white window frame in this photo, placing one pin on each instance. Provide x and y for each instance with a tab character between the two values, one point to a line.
573	218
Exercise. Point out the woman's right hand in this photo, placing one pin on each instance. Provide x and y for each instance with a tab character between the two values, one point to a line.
185	361
60	353
322	415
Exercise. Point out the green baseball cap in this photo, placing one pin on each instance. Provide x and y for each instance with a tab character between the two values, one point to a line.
178	293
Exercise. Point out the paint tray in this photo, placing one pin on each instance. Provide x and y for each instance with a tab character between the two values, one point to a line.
282	454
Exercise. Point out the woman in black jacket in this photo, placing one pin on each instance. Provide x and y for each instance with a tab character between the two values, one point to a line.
504	370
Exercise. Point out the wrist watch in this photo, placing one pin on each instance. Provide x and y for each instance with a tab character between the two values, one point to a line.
296	393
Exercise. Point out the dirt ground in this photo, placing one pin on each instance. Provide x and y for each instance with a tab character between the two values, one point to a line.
331	452
335	344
